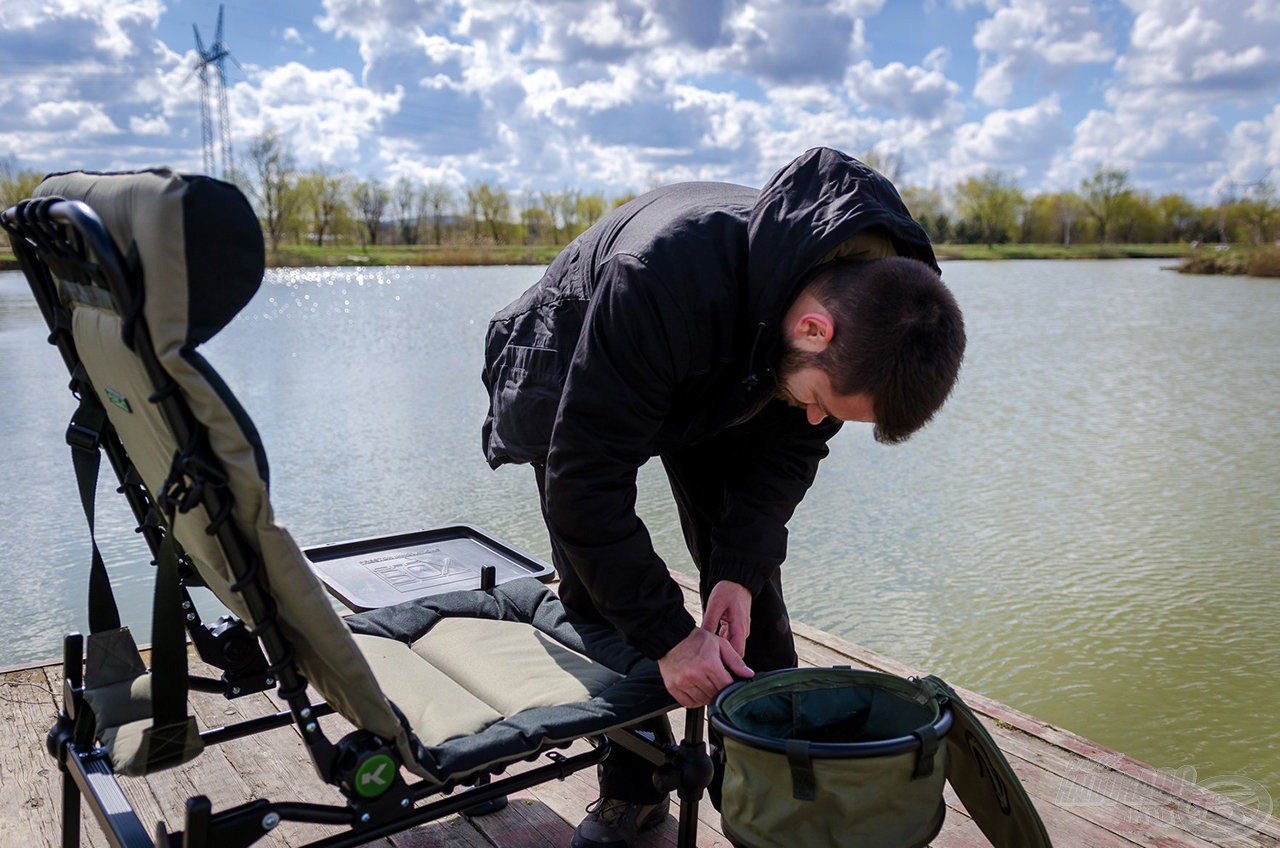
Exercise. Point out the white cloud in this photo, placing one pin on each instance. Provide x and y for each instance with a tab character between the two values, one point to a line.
788	42
1253	153
899	89
74	116
116	28
621	94
1164	115
937	59
1023	36
1188	50
1009	139
326	114
153	125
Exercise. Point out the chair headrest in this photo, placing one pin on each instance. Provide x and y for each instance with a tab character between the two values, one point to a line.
196	238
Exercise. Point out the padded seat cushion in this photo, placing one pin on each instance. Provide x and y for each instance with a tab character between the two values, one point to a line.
488	677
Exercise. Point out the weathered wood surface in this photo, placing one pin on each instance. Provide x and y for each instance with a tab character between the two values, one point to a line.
1089	796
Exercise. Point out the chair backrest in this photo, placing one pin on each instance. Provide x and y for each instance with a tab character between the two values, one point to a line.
193	255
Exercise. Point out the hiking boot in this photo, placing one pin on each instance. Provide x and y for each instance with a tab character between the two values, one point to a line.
611	823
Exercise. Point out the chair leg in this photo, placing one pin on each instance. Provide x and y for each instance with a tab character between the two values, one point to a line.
62	734
70	812
695	776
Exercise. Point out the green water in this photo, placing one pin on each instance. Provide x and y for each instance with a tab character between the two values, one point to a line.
1088	532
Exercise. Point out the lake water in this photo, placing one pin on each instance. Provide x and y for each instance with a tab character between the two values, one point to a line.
1087	532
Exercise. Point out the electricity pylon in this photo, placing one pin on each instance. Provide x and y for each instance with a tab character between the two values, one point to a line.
215	56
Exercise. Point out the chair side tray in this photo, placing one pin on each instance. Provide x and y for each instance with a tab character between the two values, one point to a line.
382	571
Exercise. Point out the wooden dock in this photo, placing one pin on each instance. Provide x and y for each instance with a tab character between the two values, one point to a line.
1088	796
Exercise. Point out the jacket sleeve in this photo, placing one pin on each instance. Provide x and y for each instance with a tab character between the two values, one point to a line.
616	396
778	452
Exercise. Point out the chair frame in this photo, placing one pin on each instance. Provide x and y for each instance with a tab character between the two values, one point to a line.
66	239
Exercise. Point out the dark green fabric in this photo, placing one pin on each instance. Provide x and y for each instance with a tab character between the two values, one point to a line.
890	801
87	424
118	692
800	769
985	781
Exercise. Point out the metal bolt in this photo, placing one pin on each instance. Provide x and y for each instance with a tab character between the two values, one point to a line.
235	690
311	727
270	820
364	818
404	802
186	605
305	712
271	681
191	616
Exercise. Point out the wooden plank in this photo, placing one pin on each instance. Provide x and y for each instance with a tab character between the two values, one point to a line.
1087	794
31	800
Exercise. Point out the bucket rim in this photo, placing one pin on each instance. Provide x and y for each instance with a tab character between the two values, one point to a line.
901	686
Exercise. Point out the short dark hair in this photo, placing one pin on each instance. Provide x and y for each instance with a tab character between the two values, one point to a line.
899	337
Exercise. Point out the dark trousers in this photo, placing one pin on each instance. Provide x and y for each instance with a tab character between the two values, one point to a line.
697	482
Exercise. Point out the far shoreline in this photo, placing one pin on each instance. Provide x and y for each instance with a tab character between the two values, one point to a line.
1196	260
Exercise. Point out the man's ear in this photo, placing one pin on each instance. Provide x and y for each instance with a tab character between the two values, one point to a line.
812	332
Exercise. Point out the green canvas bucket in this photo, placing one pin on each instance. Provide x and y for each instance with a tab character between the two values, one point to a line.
843	757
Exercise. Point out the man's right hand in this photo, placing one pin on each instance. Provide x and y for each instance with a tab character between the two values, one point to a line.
699	666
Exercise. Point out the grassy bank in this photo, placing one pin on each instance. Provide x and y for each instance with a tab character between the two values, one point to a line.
294	256
1254	261
1060	251
1234	261
299	256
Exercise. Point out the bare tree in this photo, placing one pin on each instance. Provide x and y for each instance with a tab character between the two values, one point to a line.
551	203
1260	212
991	204
371	205
437	197
1066	212
569	211
493	204
1105	194
405	199
590	208
271	164
889	164
323	194
538	223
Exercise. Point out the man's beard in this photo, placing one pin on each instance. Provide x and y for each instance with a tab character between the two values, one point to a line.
793	361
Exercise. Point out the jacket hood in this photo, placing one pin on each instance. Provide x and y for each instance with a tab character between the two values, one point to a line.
810	208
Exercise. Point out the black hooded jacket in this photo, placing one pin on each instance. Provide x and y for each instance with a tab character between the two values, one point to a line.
657	328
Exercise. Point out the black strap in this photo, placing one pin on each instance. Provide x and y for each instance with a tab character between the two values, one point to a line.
928	736
84	435
803	785
168	640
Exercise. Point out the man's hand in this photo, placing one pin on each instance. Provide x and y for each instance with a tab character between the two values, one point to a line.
699	666
728	613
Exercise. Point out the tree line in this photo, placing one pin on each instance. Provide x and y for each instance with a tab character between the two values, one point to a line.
322	206
1105	209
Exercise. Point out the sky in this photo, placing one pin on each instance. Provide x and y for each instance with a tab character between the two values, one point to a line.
624	95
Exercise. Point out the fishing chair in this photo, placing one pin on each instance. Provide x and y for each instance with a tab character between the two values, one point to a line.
132	272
